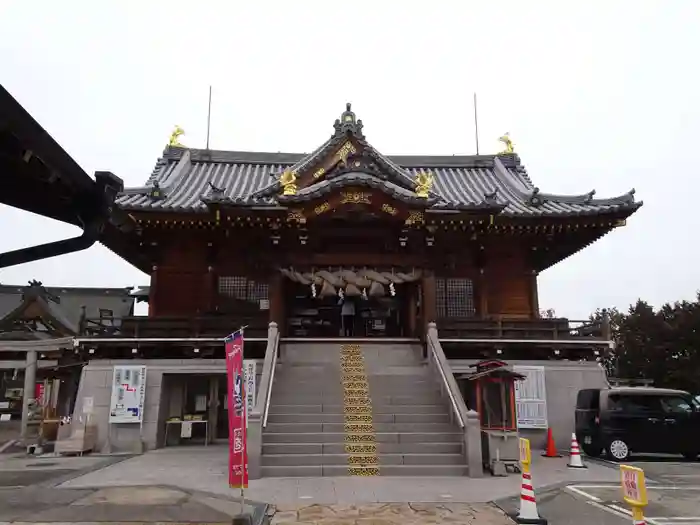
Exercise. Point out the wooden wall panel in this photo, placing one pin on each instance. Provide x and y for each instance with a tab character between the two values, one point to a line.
509	288
180	293
510	296
183	282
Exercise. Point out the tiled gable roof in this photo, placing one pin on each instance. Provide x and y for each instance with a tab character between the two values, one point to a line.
188	177
186	180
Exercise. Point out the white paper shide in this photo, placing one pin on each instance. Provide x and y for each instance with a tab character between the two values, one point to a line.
128	394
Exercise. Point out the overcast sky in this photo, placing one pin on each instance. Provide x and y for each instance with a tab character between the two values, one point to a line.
601	94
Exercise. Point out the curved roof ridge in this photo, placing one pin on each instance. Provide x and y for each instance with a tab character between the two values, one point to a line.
356	177
314	155
524	189
534	196
587	198
166	174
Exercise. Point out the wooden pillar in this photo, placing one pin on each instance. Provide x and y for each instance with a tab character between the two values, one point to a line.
213	410
152	295
483	294
429	299
277	300
210	290
412	310
534	296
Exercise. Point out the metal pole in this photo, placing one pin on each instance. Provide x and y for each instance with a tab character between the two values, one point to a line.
209	117
29	382
245	422
476	126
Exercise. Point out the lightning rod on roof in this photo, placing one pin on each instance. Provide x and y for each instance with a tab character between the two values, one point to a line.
209	117
476	126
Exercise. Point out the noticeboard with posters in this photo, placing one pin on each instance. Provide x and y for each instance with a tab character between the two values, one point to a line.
531	397
128	394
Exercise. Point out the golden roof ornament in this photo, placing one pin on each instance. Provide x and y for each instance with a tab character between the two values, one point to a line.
505	139
175	136
424	182
288	181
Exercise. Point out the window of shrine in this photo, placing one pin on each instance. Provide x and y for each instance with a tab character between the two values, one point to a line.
244	289
455	298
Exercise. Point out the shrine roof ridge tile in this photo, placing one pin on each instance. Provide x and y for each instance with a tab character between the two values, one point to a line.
190	179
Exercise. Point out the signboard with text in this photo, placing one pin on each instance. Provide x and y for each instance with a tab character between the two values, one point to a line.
250	367
634	490
531	397
238	453
525	457
128	394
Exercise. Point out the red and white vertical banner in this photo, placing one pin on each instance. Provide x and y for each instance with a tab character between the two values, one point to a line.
238	454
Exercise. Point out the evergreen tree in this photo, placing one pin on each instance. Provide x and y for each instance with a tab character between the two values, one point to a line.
661	345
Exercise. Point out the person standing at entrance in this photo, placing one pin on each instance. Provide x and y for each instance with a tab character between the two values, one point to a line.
347	311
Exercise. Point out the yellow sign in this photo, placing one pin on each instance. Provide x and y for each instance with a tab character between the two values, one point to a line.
525	457
634	490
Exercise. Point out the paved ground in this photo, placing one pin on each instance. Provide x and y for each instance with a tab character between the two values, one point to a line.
664	468
673	487
392	514
114	505
48	495
561	507
205	469
19	470
180	485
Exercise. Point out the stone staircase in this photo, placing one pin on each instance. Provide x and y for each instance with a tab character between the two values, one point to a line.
368	409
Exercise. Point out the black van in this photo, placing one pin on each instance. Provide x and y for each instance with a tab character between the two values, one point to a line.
637	419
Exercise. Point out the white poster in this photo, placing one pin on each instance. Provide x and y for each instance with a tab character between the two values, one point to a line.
128	394
186	429
249	371
200	403
531	397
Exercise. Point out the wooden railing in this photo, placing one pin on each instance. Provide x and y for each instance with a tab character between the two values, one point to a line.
173	327
525	329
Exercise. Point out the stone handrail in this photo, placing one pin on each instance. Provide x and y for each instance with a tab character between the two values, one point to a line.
438	361
468	420
258	415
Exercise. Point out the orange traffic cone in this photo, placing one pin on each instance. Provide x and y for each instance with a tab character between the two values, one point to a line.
528	514
551	451
575	460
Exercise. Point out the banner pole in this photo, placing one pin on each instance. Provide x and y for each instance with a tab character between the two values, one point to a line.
245	421
239	331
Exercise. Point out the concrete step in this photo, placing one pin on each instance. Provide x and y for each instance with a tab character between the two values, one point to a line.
324	417
285	387
429	398
305	373
293	460
316	408
306	428
328	353
329	377
386	470
382	448
381	437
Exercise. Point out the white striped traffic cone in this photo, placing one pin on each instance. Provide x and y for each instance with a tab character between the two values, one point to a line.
528	505
575	460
